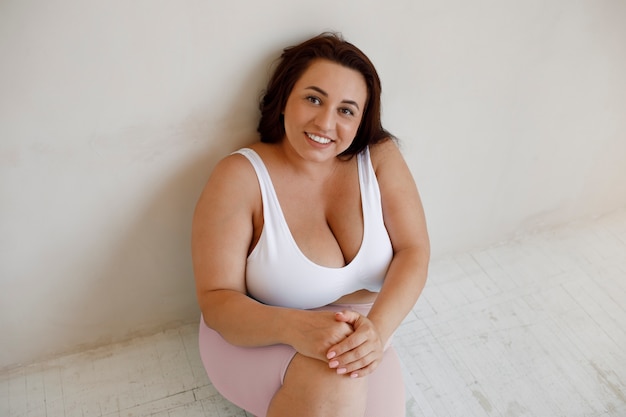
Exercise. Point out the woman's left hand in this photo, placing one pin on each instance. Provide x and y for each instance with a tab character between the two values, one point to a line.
360	353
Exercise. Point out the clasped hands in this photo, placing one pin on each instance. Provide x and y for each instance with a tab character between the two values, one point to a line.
348	341
360	353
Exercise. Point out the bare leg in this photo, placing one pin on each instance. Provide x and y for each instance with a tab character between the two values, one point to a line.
312	389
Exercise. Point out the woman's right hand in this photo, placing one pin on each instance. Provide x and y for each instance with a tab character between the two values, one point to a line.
316	331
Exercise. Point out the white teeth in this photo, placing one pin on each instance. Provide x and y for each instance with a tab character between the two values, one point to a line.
318	139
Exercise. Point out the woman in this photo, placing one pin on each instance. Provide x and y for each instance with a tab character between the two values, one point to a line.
310	247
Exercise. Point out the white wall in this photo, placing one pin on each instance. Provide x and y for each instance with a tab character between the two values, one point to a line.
113	113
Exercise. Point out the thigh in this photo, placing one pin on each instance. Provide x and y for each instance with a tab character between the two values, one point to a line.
247	377
386	390
311	388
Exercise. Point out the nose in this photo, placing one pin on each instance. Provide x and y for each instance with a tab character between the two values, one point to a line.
325	119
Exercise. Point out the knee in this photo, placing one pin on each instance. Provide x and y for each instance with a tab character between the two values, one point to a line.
315	390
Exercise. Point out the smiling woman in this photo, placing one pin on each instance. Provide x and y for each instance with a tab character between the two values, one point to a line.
324	106
297	59
310	247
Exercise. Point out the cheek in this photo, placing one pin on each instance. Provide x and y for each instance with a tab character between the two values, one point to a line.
287	117
292	114
351	127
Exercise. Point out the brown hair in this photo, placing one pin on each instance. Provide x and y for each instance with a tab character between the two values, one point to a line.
294	61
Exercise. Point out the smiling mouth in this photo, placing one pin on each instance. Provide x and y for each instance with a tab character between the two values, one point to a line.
318	139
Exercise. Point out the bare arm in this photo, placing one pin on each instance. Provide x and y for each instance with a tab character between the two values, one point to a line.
404	218
406	224
222	232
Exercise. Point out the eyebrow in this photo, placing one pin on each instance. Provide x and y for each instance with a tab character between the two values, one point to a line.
325	94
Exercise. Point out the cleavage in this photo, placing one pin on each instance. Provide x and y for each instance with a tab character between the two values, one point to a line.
326	224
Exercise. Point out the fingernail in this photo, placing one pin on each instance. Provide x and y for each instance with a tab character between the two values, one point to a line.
331	355
354	375
334	364
341	371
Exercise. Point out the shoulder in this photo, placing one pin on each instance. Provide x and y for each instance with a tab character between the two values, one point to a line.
233	168
392	172
232	183
385	155
237	170
234	172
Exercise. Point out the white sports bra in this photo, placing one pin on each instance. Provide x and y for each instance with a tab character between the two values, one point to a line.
279	274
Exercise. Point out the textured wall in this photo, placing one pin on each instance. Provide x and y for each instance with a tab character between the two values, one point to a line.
112	115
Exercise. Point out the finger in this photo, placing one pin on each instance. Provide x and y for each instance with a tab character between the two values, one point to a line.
363	372
347	316
361	367
353	359
342	331
351	342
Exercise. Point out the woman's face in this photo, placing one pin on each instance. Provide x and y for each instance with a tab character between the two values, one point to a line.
324	110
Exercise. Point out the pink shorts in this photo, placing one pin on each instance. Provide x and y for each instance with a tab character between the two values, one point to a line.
249	377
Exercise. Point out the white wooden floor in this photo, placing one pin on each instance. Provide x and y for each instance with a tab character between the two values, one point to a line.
535	327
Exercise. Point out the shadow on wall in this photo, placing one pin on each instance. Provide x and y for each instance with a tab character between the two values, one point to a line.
146	284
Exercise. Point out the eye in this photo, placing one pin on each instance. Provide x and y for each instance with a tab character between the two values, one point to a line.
346	111
313	100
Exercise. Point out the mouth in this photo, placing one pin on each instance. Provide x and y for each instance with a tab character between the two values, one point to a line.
319	139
